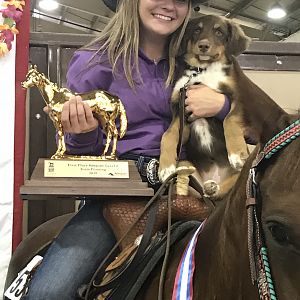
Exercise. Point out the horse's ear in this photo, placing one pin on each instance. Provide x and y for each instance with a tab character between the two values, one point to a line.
35	67
238	41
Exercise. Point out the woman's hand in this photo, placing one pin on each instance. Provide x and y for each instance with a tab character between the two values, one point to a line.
202	101
77	116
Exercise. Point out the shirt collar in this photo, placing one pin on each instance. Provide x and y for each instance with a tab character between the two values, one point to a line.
147	59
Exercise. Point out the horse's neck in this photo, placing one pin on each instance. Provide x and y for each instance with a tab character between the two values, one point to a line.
43	88
223	265
261	113
52	94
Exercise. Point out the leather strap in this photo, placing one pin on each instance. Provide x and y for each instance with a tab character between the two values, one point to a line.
121	279
93	288
181	114
153	257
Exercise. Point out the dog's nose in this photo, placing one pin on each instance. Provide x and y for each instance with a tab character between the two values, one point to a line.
204	45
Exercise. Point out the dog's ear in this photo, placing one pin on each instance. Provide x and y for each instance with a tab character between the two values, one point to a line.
188	34
237	42
183	45
186	37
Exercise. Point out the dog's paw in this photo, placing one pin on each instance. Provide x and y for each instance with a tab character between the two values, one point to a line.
164	173
210	188
237	161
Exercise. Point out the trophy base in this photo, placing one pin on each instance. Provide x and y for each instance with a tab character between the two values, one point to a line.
71	187
83	157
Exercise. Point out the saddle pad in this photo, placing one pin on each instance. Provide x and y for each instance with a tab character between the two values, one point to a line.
148	262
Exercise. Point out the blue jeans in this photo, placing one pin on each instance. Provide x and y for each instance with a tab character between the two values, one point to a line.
73	257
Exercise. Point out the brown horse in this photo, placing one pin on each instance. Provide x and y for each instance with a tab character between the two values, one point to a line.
222	260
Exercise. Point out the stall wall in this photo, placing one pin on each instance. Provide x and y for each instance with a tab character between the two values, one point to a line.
13	67
281	86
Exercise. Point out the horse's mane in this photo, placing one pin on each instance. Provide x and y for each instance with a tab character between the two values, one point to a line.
287	159
48	81
292	162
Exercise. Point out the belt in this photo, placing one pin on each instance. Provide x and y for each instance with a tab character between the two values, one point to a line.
146	165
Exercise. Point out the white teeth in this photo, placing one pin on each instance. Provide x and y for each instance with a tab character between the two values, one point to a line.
204	57
163	17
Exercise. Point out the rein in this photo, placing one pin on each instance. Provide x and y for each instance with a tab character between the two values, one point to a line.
95	287
258	256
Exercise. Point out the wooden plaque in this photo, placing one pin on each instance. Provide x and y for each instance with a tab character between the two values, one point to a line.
40	187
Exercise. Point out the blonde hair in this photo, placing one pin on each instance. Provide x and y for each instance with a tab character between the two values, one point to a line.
120	40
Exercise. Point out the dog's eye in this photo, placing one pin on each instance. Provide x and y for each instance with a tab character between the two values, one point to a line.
219	32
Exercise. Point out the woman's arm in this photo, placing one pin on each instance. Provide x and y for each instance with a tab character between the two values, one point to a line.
203	101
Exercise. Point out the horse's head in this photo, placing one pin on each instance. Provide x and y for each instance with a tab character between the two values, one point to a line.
33	78
279	202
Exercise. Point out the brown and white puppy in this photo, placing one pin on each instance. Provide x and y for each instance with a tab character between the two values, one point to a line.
217	150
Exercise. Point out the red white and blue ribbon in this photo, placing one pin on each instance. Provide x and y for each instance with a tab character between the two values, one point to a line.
183	285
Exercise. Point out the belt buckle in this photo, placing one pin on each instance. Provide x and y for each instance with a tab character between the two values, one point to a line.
152	171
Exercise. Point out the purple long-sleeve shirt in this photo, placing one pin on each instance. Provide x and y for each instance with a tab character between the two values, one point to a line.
148	107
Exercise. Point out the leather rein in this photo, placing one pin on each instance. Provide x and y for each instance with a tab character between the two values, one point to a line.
259	262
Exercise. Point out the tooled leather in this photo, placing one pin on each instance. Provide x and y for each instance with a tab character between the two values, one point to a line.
122	214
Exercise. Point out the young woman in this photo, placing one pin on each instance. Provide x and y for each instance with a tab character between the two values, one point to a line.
133	58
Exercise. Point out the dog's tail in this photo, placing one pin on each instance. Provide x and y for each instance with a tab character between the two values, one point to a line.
123	119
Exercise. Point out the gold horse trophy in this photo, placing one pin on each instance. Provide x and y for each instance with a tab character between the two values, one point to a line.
105	107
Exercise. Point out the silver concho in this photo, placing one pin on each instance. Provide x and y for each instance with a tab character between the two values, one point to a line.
152	171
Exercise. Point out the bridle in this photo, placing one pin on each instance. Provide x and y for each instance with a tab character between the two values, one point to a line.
258	256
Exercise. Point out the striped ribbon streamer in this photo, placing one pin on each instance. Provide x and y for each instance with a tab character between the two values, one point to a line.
183	285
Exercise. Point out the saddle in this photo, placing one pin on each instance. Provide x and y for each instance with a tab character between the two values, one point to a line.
120	279
121	215
149	218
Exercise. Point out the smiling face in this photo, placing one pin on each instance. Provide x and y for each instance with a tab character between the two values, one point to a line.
160	18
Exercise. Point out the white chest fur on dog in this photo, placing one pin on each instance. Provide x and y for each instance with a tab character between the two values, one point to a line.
202	131
212	76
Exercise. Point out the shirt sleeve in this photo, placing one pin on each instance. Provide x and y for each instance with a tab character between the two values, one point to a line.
85	74
224	111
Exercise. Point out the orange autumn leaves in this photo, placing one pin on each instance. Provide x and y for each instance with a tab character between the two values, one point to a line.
11	16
